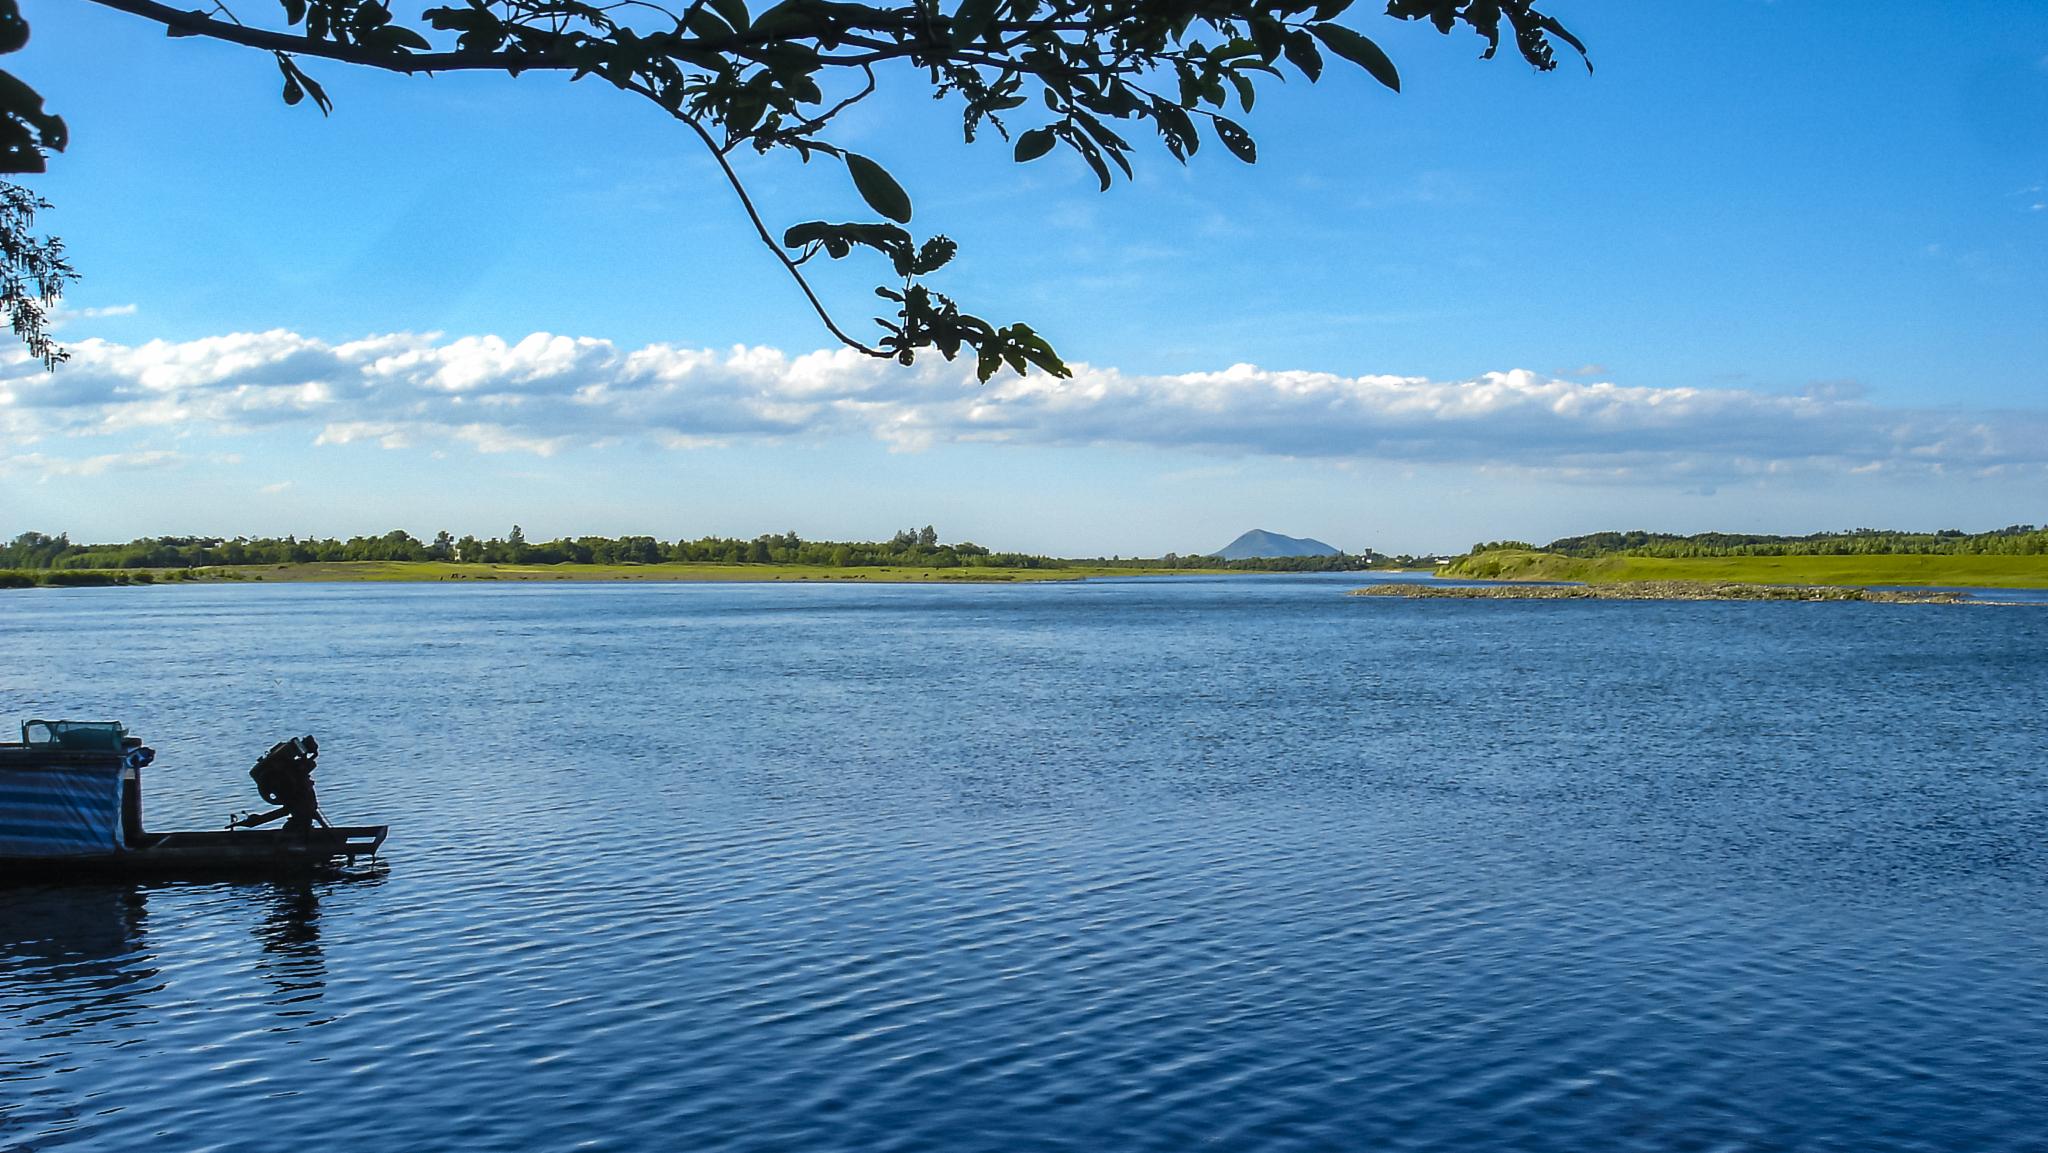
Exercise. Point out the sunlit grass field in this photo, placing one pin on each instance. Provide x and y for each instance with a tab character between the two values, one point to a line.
1910	570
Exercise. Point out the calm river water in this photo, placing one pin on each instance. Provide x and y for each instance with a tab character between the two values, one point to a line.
1241	864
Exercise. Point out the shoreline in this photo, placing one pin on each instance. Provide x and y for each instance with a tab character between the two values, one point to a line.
1879	570
440	572
1671	590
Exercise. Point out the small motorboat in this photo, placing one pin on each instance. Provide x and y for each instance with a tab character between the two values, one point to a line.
71	807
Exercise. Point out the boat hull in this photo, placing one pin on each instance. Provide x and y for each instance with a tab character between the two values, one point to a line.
256	853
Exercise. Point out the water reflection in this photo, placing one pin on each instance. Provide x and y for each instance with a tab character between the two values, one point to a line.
293	958
73	957
292	961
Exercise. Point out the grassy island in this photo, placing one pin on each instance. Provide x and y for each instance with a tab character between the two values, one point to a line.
1666	591
2015	558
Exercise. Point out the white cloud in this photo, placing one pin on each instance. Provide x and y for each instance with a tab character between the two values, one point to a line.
64	313
545	394
47	467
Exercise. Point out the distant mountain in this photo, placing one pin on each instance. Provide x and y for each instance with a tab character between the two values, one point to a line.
1260	543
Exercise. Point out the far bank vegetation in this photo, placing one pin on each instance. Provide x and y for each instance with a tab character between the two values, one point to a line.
34	558
2011	557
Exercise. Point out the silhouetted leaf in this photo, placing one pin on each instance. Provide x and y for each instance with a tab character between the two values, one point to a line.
1360	51
407	38
1235	138
734	12
791	18
26	129
1113	146
1093	155
838	240
879	188
1245	92
298	85
936	254
13	29
1301	52
1269	34
318	93
973	19
1174	120
1034	144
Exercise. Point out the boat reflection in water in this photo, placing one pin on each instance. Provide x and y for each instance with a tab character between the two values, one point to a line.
293	960
92	975
73	956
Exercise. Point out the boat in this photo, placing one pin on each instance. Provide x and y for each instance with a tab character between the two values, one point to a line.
71	808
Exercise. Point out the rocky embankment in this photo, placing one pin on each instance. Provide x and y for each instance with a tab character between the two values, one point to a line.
1665	591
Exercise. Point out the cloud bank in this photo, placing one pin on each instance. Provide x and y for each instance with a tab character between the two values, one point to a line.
546	393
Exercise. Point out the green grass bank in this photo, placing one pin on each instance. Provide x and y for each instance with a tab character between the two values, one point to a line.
1918	570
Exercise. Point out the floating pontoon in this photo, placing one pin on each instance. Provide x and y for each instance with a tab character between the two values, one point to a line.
71	807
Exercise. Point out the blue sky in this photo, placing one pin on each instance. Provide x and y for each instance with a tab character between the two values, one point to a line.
1783	267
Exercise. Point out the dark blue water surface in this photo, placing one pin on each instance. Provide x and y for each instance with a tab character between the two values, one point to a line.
1238	864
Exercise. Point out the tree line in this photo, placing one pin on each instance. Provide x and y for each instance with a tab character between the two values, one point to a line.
34	550
921	547
2012	540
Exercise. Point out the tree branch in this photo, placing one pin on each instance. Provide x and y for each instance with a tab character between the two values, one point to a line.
185	23
761	229
200	24
758	80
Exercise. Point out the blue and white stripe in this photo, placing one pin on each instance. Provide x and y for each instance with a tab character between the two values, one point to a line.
60	812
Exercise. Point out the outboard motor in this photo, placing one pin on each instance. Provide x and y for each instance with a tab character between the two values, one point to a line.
284	777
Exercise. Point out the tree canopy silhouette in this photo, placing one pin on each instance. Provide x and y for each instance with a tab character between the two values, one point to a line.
1083	75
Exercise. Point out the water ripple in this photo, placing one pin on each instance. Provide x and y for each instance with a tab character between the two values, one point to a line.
1146	866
